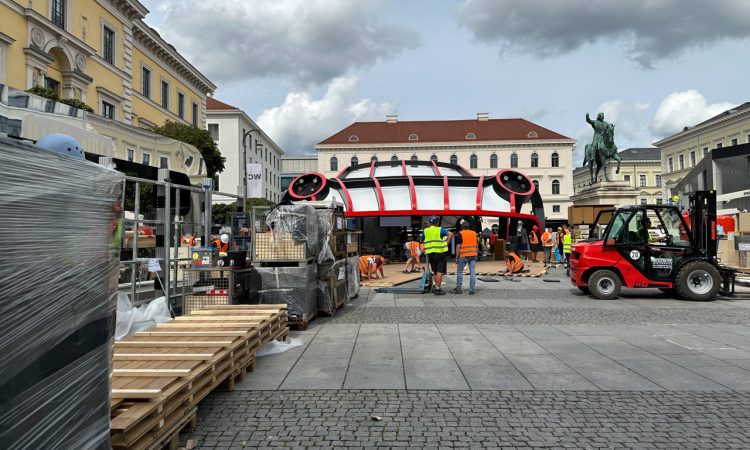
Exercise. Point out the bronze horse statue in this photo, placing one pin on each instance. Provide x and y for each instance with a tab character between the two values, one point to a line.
601	149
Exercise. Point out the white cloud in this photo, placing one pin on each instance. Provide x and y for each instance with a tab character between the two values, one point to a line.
305	40
684	109
650	30
302	121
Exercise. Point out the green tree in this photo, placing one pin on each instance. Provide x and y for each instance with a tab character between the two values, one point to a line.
199	138
221	213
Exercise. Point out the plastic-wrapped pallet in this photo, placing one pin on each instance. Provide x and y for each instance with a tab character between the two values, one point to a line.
287	233
293	286
332	286
60	231
352	277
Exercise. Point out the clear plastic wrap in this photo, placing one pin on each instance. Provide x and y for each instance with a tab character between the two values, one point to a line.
325	219
60	231
332	286
132	320
352	277
295	222
293	286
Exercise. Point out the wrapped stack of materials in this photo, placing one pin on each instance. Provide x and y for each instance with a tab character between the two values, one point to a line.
293	286
285	234
60	232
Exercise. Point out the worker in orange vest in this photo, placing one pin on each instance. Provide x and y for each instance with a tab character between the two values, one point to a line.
188	240
369	265
548	243
536	247
222	243
414	253
467	249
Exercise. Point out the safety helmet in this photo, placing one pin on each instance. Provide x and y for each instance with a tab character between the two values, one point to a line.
434	219
224	238
62	144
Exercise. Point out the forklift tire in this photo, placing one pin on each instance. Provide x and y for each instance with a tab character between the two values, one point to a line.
605	284
698	281
584	289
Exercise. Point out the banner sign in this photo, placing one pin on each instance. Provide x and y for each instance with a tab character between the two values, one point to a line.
255	181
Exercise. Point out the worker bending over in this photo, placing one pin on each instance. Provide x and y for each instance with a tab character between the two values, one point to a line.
414	254
436	241
370	265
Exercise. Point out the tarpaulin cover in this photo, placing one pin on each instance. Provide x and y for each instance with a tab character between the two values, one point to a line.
293	286
60	230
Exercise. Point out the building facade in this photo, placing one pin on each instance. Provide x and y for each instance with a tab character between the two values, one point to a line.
101	52
684	150
236	134
294	166
483	146
641	167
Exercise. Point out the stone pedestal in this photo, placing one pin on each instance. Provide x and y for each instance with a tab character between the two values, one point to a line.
606	193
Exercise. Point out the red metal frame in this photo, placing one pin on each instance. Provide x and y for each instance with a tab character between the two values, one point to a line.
322	186
435	168
379	191
413	191
446	194
403	167
372	168
440	212
349	202
480	192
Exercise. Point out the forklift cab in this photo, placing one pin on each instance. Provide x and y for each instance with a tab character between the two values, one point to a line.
657	255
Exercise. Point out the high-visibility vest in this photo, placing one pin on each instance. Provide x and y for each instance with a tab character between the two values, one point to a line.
469	245
547	239
433	243
188	240
221	246
533	239
566	243
514	263
413	248
364	264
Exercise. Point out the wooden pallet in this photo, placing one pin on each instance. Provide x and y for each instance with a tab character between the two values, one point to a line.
160	375
301	324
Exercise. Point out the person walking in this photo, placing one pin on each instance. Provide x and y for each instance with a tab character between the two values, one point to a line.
559	244
466	253
435	241
548	244
567	242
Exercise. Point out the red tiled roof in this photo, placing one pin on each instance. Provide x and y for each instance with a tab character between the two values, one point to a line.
442	131
212	103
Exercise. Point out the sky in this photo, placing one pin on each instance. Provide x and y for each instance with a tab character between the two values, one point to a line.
305	69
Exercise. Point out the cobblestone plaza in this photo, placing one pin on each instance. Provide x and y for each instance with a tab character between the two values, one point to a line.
526	364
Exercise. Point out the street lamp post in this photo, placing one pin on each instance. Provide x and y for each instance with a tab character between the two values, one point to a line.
244	165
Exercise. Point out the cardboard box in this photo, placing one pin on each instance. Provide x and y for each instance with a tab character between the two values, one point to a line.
727	253
743	222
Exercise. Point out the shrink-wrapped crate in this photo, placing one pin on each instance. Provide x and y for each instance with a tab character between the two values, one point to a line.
293	286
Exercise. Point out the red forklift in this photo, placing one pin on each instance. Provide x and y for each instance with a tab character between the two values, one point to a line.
680	260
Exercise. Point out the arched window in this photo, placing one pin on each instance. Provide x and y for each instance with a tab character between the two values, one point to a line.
334	164
555	160
355	160
536	185
555	187
394	158
354	138
414	158
473	162
493	161
454	159
433	157
532	134
514	160
471	136
413	137
534	160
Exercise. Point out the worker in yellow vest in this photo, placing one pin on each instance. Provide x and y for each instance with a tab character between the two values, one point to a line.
467	249
435	239
567	243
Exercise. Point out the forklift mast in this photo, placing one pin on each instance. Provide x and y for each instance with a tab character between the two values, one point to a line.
703	221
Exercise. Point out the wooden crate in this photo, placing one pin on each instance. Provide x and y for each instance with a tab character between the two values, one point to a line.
268	247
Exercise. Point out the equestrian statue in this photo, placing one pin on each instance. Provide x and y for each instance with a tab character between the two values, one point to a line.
601	148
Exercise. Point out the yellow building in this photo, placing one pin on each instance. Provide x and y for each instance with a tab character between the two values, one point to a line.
641	167
102	53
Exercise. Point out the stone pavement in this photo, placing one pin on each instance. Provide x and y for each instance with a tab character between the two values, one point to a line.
521	364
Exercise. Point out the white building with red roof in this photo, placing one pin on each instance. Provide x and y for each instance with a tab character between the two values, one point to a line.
482	146
228	126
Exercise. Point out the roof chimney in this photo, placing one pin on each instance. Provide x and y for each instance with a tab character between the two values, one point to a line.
483	117
391	118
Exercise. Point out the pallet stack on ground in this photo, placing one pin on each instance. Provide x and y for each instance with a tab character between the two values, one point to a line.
160	375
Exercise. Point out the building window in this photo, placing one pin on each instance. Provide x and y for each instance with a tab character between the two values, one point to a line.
626	178
658	201
131	154
454	159
58	13
555	160
471	136
473	162
734	141
374	158
536	186
146	82
692	159
195	114
705	151
108	110
658	180
108	44
555	208
353	138
163	162
644	201
51	83
534	160
146	161
514	160
181	105
414	158
682	161
643	180
532	134
433	157
334	164
719	145
355	160
215	186
394	158
413	137
164	95
213	130
555	187
747	139
493	161
671	165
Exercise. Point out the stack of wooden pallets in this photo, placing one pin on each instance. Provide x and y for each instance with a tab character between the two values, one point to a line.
160	375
